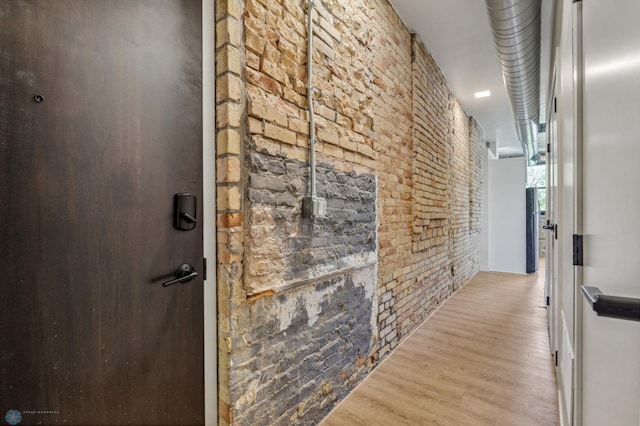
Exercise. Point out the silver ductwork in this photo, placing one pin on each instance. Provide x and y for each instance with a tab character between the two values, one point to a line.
516	32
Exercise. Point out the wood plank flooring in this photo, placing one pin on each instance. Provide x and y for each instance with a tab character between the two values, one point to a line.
483	358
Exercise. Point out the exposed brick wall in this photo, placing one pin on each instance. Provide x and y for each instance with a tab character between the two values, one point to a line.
389	48
459	213
432	150
477	147
308	307
446	195
230	130
467	188
415	294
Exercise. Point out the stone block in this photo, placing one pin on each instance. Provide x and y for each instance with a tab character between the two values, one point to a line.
329	28
256	9
228	169
262	80
228	8
228	115
229	220
328	135
273	70
272	184
228	198
228	60
255	126
267	113
228	31
280	134
228	142
298	126
254	42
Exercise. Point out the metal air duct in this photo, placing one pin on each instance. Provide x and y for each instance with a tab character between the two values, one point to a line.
516	32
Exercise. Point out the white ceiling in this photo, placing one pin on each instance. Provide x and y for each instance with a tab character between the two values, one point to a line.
458	35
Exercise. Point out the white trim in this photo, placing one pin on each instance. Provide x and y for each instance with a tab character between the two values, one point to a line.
578	73
209	213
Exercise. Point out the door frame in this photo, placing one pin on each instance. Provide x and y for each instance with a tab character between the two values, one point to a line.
578	79
550	265
209	212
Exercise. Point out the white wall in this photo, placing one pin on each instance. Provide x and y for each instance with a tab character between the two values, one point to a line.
507	239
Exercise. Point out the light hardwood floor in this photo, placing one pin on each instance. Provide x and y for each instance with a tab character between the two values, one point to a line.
483	358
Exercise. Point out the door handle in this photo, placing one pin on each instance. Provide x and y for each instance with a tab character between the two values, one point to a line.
626	308
185	273
547	227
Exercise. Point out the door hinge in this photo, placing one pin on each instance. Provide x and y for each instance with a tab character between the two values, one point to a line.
555	105
577	250
556	357
555	231
204	269
577	1
548	148
548	301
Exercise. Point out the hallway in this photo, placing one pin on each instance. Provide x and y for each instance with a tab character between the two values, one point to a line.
482	359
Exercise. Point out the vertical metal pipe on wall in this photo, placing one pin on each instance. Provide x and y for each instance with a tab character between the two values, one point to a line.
515	25
312	125
312	205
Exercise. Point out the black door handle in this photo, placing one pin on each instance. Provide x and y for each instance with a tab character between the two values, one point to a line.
547	227
626	308
185	273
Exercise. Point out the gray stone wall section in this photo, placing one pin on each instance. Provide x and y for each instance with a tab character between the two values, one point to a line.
302	351
284	249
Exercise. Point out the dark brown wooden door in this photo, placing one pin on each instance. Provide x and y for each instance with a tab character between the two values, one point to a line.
88	172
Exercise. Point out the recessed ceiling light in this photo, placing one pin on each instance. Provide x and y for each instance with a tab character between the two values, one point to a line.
483	94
